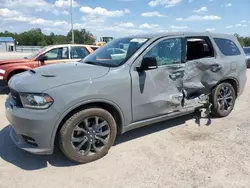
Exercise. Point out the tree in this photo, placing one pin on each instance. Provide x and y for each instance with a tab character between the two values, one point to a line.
81	36
61	39
247	41
244	41
35	37
77	36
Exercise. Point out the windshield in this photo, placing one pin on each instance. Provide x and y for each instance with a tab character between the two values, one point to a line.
35	53
116	52
247	51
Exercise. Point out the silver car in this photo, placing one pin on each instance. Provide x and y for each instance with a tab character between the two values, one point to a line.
84	105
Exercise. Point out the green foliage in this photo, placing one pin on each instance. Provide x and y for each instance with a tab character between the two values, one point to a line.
244	41
35	37
81	36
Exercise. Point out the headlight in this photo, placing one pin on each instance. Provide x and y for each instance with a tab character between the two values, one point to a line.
37	101
2	71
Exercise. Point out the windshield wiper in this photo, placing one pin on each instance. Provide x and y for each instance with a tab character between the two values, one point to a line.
99	64
92	62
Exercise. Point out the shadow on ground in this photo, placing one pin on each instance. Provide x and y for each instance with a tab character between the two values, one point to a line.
150	129
26	161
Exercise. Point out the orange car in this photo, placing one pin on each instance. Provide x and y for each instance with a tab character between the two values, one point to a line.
45	56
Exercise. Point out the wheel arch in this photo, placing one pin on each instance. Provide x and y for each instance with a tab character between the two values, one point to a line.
110	106
16	71
231	80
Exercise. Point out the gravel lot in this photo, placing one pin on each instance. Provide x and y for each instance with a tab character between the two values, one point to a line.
13	55
176	153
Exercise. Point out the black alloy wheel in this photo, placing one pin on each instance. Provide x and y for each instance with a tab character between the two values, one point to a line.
223	100
88	135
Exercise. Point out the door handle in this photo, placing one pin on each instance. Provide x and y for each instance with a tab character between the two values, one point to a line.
175	75
216	68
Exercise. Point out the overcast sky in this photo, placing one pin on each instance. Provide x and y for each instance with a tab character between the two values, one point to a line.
123	17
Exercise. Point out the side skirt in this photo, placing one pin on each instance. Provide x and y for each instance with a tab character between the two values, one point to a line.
165	117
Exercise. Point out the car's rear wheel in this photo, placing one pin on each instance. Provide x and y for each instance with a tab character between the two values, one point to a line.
223	100
88	135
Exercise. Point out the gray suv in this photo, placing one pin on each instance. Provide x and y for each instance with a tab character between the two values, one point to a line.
84	105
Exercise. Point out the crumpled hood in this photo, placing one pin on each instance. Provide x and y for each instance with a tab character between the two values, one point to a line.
46	77
13	61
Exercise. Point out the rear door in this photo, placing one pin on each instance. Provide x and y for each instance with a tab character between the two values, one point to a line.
159	91
202	66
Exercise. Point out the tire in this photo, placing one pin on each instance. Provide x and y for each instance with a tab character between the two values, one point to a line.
216	110
68	134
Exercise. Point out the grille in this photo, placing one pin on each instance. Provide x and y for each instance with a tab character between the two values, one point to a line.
16	98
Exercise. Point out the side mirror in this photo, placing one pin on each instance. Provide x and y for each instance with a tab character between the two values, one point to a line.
43	58
148	63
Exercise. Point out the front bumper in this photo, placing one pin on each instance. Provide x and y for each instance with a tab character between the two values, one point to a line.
31	130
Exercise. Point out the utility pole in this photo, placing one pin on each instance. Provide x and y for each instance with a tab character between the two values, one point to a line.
71	15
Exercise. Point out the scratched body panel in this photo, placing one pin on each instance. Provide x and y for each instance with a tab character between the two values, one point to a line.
154	93
163	90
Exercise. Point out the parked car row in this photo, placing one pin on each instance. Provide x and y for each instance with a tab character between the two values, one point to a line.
128	83
45	56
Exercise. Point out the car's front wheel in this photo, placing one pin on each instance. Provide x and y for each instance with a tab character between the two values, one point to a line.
223	99
88	135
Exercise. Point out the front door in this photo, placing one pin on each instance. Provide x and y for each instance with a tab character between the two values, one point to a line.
56	55
159	91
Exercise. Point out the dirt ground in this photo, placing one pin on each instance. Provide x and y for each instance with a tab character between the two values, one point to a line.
176	153
13	55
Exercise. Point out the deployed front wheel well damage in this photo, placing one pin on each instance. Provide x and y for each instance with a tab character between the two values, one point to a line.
218	100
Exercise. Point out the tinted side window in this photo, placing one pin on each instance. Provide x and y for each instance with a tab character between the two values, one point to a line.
110	50
227	47
57	53
118	51
198	48
78	52
166	52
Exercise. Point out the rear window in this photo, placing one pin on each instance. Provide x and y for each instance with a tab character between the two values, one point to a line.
94	48
227	47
